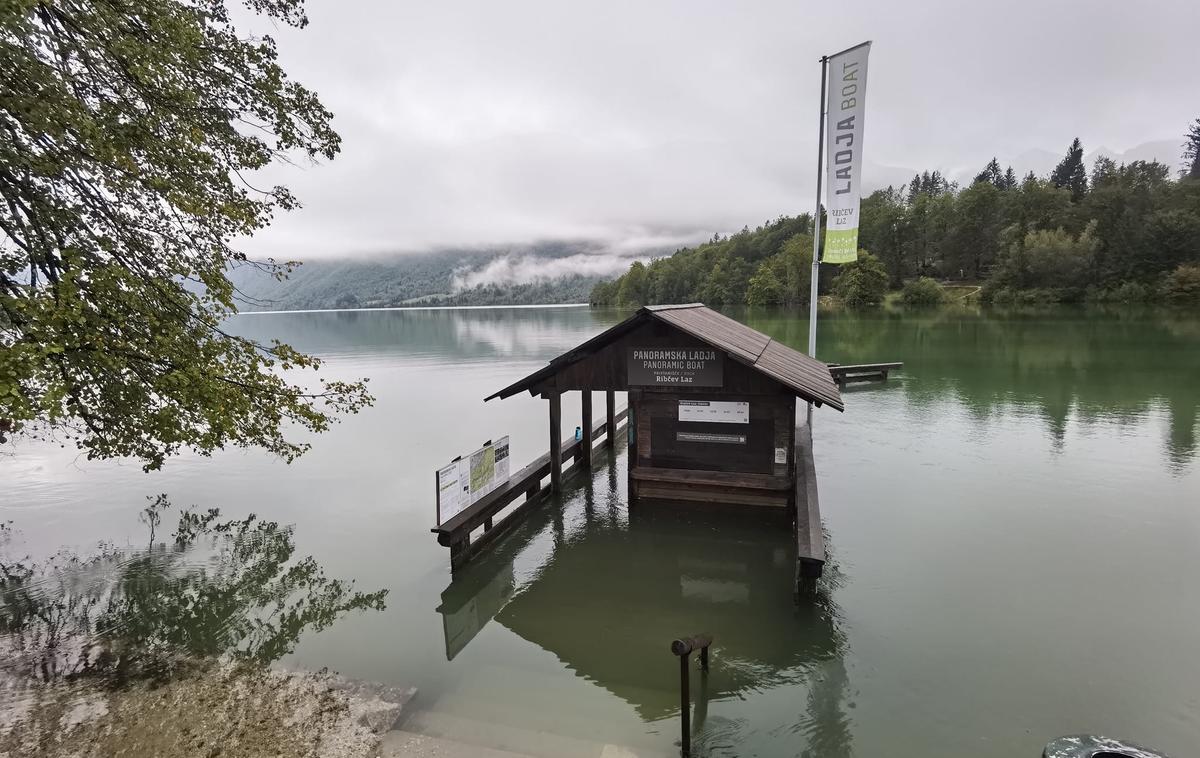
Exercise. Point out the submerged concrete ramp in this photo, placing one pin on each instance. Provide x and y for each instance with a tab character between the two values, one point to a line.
433	733
507	712
404	744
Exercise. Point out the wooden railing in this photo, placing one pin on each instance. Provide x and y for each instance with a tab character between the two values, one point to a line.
455	533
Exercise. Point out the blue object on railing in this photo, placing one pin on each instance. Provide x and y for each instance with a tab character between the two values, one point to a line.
578	433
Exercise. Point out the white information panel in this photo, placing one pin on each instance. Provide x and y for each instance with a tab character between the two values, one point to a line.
452	495
718	411
467	479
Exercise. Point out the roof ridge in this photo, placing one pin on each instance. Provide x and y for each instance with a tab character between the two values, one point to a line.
674	306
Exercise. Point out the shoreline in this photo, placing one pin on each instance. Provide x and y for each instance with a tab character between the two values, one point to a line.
220	708
528	306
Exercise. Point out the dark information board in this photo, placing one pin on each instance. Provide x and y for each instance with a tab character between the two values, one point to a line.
674	367
747	448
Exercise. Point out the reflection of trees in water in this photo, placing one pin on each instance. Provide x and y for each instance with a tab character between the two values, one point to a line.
826	721
219	588
1094	364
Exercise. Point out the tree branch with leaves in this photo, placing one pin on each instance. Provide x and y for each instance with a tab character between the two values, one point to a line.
127	128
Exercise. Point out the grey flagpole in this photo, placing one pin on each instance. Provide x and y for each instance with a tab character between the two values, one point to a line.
816	256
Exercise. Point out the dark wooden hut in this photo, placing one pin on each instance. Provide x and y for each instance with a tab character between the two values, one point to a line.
712	404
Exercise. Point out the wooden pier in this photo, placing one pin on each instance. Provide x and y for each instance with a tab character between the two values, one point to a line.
862	372
712	419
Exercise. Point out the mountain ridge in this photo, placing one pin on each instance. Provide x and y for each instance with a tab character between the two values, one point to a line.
543	273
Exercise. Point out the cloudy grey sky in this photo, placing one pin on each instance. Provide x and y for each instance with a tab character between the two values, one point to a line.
476	122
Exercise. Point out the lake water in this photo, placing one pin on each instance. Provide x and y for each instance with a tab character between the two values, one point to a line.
1014	522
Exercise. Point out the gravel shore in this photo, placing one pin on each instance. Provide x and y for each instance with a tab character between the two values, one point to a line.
227	710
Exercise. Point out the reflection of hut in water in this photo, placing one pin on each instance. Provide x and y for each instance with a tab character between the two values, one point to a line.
609	604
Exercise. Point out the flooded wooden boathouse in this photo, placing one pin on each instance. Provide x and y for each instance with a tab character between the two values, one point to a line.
712	422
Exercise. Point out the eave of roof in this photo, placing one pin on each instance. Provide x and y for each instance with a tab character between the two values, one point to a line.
807	377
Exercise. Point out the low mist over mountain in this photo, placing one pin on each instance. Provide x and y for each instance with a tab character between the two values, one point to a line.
542	273
561	272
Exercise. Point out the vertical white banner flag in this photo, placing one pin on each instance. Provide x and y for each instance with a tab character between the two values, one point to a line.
844	152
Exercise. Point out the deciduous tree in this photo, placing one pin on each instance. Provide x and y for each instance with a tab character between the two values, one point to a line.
861	283
131	130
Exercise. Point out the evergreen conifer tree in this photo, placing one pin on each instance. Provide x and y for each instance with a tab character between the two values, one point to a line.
1191	152
1070	173
991	173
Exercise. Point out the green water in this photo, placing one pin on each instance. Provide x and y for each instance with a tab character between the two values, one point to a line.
1014	522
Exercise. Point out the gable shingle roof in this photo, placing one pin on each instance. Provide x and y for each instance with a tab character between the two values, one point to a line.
807	377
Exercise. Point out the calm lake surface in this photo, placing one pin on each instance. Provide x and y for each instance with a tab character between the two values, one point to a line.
1014	522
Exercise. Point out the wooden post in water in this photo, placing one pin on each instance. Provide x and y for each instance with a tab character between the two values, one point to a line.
683	648
585	447
610	409
458	553
555	398
685	709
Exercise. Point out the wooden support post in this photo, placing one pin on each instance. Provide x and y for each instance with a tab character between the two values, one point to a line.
633	398
684	648
586	428
610	409
685	709
458	554
555	398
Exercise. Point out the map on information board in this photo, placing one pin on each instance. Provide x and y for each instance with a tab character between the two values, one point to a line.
465	480
483	468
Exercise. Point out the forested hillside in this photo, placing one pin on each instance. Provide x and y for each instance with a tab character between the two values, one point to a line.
770	264
1119	232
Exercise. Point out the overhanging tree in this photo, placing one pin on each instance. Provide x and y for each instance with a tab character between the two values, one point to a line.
128	133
